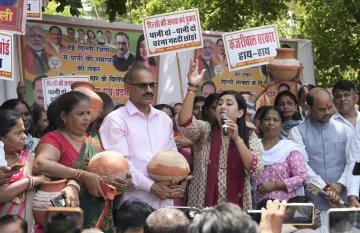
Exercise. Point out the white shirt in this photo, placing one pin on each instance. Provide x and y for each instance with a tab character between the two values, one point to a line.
295	136
338	117
126	56
3	161
138	139
56	47
353	183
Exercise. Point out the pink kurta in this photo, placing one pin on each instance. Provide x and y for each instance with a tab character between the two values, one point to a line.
292	172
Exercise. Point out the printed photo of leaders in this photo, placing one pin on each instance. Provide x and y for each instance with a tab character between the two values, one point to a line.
43	42
217	77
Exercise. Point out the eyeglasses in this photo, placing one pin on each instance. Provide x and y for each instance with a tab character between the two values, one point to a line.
144	86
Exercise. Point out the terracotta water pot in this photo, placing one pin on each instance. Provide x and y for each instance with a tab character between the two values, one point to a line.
96	103
109	165
284	67
168	165
48	190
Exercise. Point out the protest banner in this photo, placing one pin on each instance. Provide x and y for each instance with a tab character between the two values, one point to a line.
53	87
6	56
13	16
103	53
173	32
218	77
251	47
34	9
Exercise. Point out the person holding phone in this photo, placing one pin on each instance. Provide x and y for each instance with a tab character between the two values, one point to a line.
21	107
17	193
222	164
284	165
65	152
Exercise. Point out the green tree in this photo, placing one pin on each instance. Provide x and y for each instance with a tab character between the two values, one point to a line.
334	28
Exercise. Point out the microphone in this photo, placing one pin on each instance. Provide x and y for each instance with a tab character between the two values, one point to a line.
311	186
225	127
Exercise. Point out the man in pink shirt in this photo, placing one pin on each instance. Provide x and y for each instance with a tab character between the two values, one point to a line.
138	131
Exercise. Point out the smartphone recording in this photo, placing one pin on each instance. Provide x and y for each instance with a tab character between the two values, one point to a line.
300	214
64	220
344	220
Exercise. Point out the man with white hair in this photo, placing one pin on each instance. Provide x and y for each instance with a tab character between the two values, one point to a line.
36	57
206	60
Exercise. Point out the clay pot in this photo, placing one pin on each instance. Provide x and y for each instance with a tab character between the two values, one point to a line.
168	165
109	165
284	67
48	190
96	102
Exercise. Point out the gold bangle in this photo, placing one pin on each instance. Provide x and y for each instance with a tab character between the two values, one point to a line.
263	89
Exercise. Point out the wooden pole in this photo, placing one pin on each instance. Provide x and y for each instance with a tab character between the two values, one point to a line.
180	77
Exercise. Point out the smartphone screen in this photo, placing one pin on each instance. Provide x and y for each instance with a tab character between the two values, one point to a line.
344	220
64	220
296	214
58	201
190	212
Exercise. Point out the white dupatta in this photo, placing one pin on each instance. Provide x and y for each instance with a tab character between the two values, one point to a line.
279	154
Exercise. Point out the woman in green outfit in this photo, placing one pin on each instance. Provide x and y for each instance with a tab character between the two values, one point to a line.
65	153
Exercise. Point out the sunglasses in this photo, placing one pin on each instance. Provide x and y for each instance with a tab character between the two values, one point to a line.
144	86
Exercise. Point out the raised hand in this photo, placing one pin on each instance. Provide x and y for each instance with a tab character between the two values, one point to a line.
193	76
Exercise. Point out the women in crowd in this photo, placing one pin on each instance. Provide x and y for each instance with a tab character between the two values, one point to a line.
222	164
40	122
142	56
284	165
257	121
21	107
176	107
16	195
65	152
286	101
209	108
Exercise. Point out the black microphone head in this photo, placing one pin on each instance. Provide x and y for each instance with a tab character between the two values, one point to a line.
223	116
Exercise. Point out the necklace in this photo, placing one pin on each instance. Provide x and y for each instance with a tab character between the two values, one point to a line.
72	137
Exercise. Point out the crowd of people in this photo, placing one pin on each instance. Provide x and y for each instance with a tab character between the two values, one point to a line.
268	155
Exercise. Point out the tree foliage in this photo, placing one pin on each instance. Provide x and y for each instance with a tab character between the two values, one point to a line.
334	28
332	25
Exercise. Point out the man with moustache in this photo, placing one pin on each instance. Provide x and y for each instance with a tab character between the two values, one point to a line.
205	60
139	131
37	58
123	59
345	97
325	141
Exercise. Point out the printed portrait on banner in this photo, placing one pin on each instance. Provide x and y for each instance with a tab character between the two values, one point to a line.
217	76
105	54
